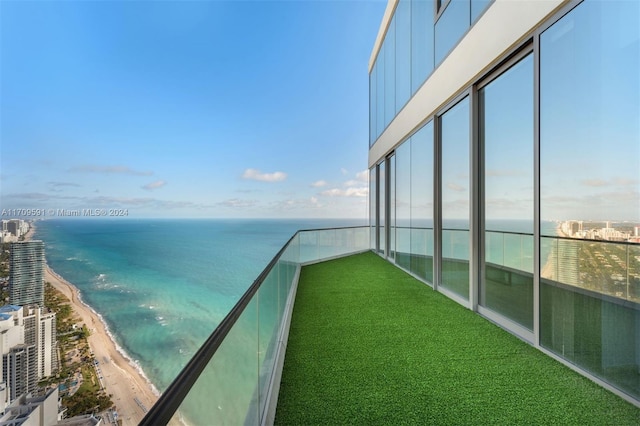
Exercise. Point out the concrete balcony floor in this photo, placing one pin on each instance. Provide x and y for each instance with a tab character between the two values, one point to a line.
369	344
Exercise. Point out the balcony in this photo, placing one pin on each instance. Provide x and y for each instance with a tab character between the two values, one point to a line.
369	344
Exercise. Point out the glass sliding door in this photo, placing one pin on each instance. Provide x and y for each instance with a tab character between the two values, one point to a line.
455	199
506	134
373	210
391	205
422	203
403	205
382	210
590	190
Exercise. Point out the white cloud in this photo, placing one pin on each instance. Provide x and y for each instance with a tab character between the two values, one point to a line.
60	186
363	176
154	185
344	171
69	201
254	174
238	203
109	170
349	192
295	204
456	187
595	182
319	183
500	173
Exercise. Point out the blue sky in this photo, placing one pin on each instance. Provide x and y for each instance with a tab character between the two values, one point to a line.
187	109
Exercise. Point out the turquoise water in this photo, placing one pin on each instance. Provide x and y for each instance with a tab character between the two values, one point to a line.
162	286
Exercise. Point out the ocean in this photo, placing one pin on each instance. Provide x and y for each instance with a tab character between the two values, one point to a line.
162	286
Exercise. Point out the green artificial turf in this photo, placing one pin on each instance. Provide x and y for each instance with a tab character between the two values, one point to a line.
369	344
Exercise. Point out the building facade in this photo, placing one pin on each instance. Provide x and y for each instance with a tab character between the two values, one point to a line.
494	127
28	347
26	273
35	410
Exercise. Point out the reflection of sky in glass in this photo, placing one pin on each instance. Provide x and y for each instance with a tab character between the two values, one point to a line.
421	42
450	27
590	114
508	144
455	165
403	184
382	203
390	73
477	7
422	176
403	53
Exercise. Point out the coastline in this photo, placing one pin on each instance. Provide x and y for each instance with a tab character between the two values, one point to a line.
131	391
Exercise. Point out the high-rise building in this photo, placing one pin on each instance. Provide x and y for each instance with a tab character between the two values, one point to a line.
26	273
36	410
19	360
44	331
16	227
28	346
20	370
488	149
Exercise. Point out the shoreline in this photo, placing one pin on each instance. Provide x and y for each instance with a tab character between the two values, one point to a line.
122	377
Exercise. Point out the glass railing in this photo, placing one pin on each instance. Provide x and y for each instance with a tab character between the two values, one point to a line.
589	307
233	377
605	267
506	285
455	261
509	249
414	251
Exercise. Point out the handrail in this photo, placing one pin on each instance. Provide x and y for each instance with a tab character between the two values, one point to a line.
590	240
165	408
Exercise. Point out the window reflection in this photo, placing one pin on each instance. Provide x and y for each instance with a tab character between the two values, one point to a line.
421	42
451	25
403	205
403	53
590	116
390	74
590	189
422	202
477	7
455	198
506	133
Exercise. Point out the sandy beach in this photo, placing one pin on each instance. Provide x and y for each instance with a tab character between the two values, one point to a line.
131	392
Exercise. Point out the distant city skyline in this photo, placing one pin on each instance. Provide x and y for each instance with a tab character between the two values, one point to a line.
186	109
